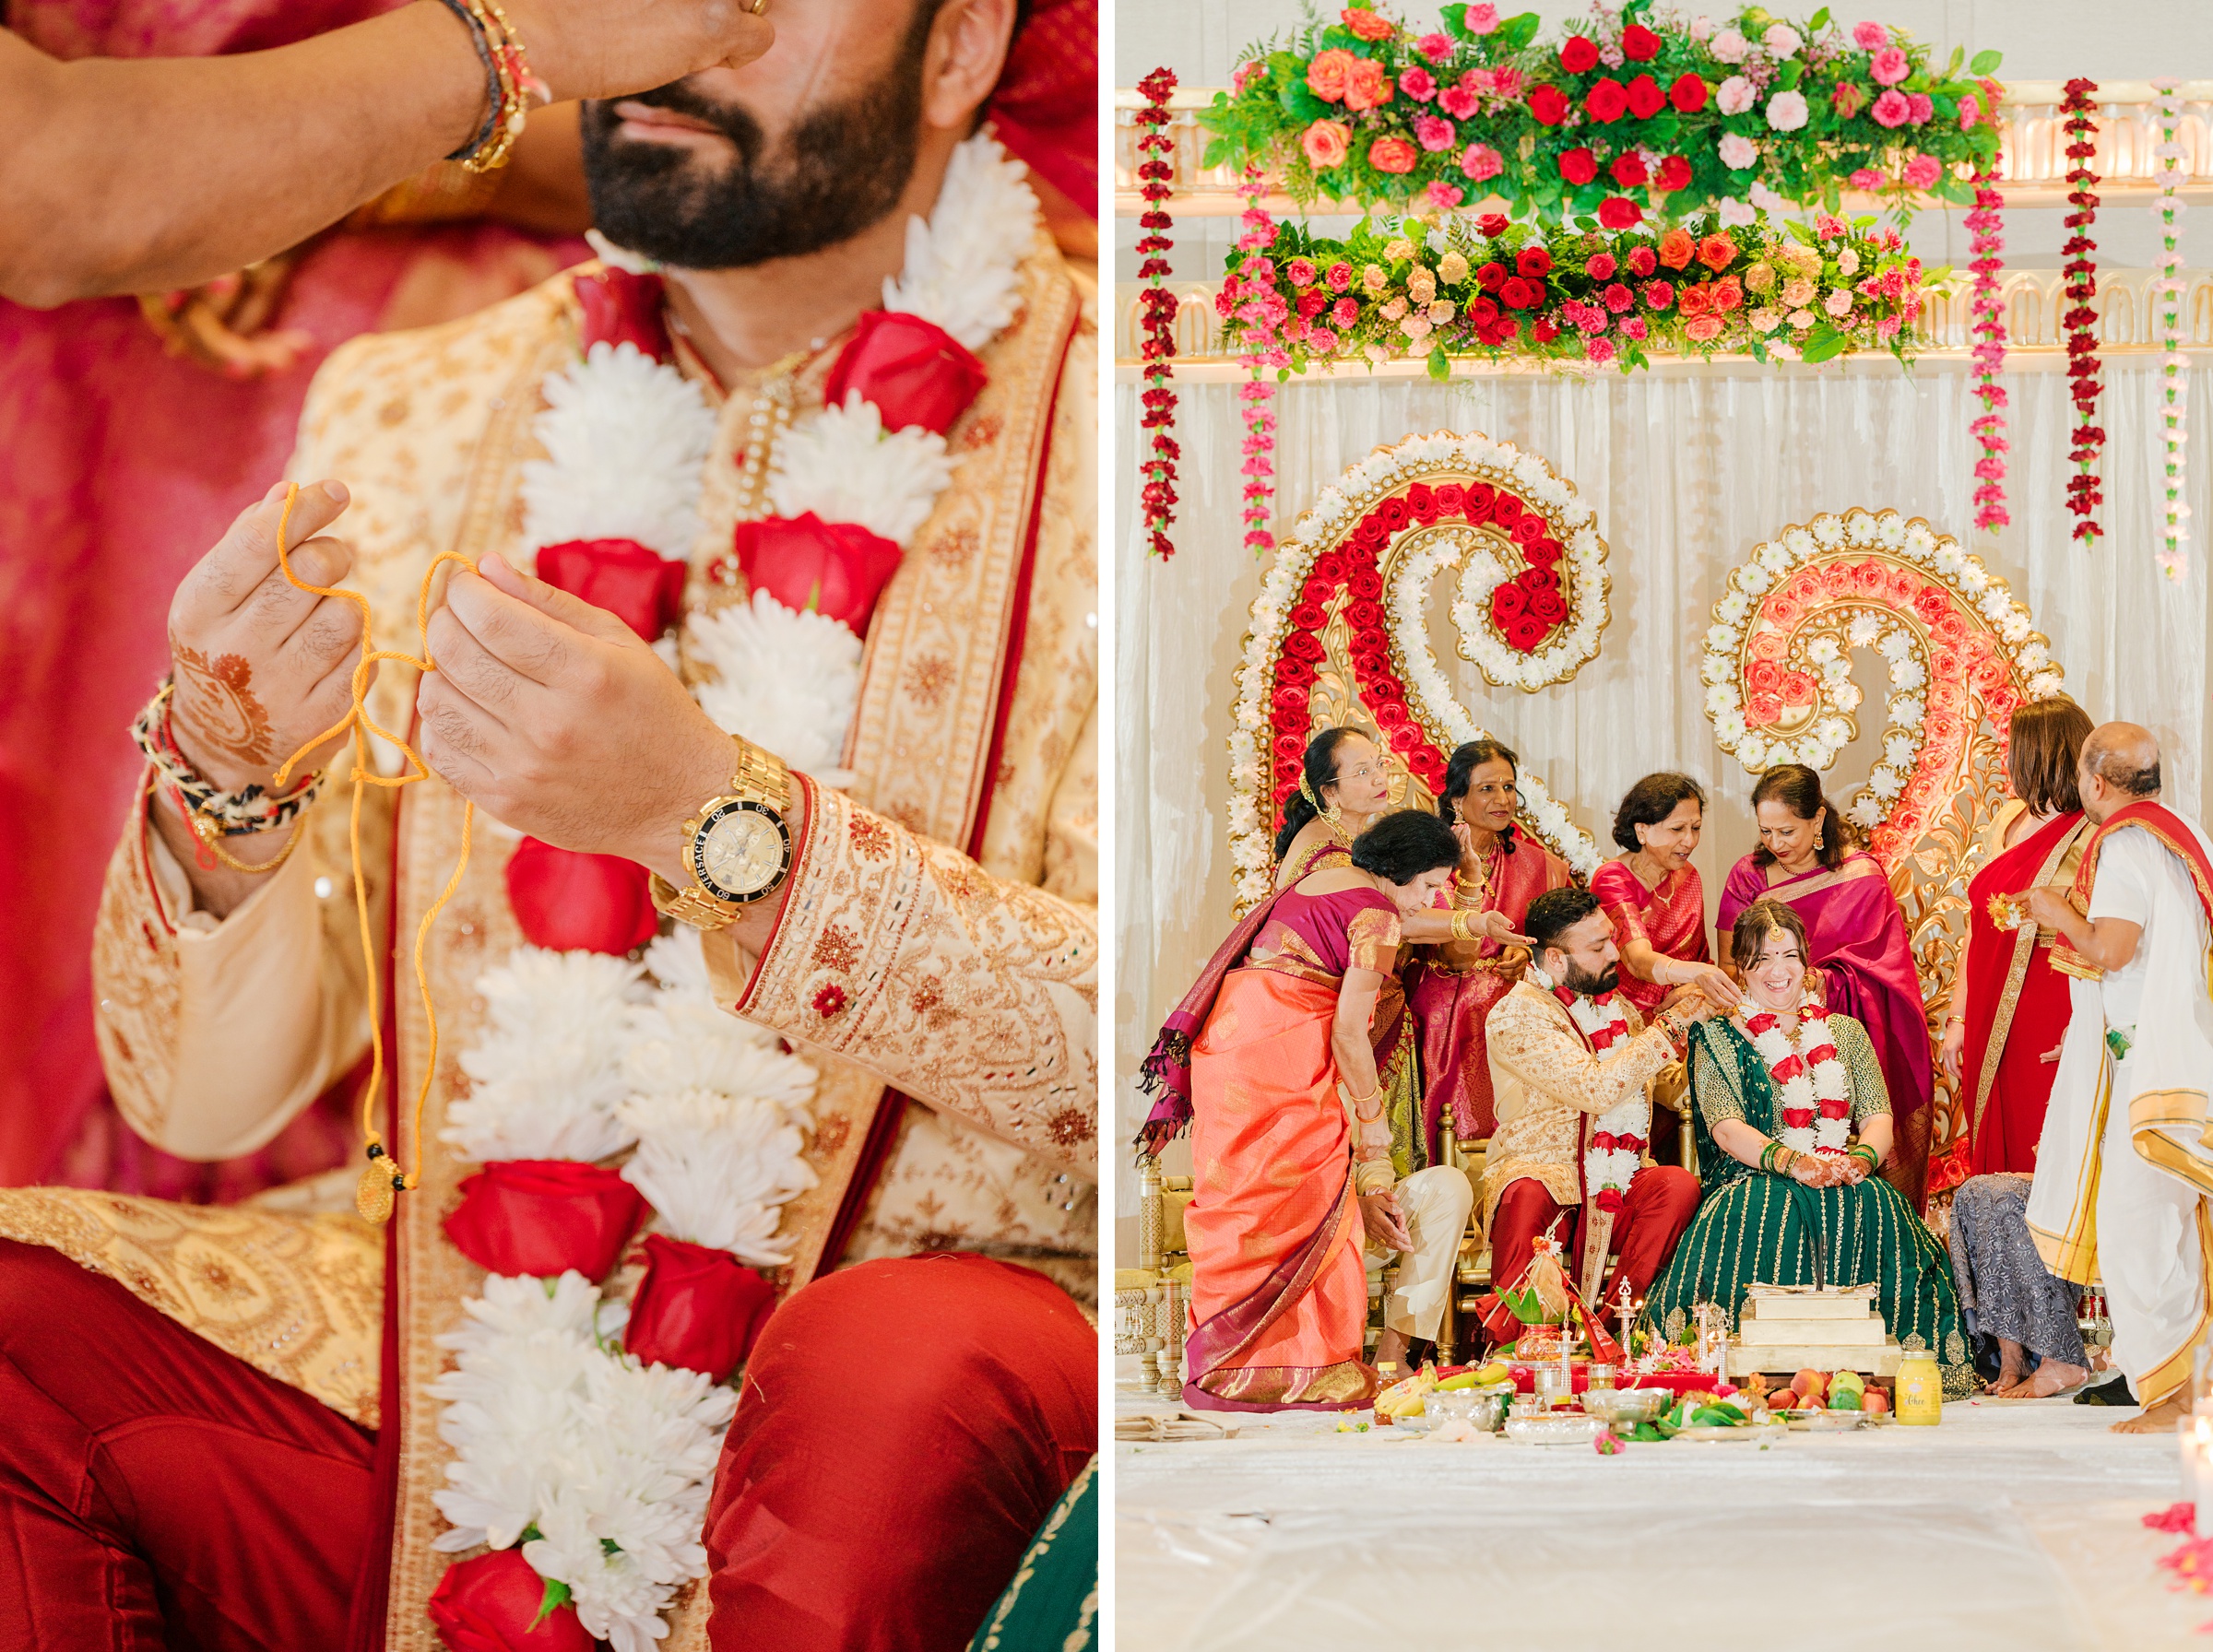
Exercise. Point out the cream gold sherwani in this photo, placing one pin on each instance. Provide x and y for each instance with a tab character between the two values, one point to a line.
948	895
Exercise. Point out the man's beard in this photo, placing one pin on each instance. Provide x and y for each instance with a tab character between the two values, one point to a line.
1578	979
840	169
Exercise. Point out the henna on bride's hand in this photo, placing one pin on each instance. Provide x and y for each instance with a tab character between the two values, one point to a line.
215	701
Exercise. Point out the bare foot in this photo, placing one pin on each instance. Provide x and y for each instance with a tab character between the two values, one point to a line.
1390	1350
2051	1377
2011	1367
2160	1419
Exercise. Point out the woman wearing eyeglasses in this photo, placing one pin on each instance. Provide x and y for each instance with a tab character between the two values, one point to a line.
1654	897
1480	951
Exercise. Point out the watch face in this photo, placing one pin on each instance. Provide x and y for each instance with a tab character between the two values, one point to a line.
741	851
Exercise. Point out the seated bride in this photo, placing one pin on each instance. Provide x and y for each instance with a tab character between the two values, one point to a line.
1783	1087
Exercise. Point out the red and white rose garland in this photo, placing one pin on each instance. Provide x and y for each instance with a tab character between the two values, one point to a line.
1985	225
1813	1094
2167	289
599	1454
1617	1135
2081	272
1158	307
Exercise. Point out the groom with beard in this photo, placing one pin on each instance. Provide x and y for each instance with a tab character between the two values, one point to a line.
226	1425
1566	1052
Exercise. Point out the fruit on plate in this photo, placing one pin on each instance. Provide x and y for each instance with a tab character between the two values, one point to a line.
1782	1400
1850	1381
1491	1374
1809	1385
1844	1399
1876	1401
1405	1397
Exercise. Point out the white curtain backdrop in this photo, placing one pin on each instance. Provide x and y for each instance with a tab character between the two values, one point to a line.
1686	472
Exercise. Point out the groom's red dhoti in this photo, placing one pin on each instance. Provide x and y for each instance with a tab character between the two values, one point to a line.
906	1426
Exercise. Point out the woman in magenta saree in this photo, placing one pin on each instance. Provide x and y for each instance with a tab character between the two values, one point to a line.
1261	1062
1857	933
1454	982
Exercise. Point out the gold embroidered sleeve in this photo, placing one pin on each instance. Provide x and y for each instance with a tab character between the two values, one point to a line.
1713	1081
1372	941
215	1035
1545	1055
974	994
1870	1095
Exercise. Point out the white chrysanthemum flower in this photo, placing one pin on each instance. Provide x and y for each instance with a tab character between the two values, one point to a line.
1884	782
1905	710
1752	750
714	1165
2043	685
625	439
681	1043
788	682
1753	579
1734	608
1898	749
546	1069
1863	629
845	466
963	269
678	965
1896	644
1908	674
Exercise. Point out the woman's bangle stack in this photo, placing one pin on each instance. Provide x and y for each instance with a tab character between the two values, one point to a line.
509	85
1776	1158
1867	1156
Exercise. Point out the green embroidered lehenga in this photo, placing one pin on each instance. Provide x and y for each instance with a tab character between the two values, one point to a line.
1758	1228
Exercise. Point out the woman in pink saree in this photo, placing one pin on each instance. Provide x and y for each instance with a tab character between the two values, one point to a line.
1857	933
1262	1060
1455	983
120	464
1652	896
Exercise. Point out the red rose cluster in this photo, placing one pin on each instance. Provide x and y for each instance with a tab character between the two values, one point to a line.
1538	607
1606	100
2081	272
1158	305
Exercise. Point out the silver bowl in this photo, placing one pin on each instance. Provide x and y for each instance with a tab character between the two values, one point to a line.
1484	1408
1566	1429
1628	1405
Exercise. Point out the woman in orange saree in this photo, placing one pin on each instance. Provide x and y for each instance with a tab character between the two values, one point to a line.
2007	983
1279	1290
1456	982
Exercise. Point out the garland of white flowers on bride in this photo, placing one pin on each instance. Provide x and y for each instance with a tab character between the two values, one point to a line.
1810	1085
1617	1135
600	1463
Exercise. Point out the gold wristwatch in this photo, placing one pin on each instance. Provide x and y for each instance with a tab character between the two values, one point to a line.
737	846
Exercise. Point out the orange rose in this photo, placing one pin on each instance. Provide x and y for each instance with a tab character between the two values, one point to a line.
1704	330
1366	24
1325	144
1326	75
1365	85
1728	294
1715	251
1695	300
1675	248
1393	155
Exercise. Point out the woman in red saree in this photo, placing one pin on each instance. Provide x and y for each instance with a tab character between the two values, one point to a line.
1254	1060
2007	983
1652	896
1807	858
1455	983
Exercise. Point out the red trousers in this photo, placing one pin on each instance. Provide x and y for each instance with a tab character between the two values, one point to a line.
1661	1201
906	1426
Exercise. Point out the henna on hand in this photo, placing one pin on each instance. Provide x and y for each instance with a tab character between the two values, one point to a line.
215	706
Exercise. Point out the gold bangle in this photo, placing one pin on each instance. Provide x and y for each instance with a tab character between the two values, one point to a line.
1459	924
210	840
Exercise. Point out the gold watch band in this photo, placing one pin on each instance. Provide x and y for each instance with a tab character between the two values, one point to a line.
759	777
691	905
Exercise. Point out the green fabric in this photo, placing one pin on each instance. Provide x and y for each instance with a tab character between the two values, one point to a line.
1398	1076
1053	1603
1755	1228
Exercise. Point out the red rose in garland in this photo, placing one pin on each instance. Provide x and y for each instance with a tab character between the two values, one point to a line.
544	1217
1628	171
1579	166
1639	44
833	568
914	371
1578	55
565	900
1645	97
493	1603
621	308
1606	102
697	1307
1688	94
1548	107
640	587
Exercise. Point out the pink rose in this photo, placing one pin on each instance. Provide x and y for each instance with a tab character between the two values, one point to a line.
1870	37
1325	144
1480	20
1435	47
1866	177
1891	109
1703	329
1923	171
1444	196
1418	84
1432	134
1920	108
1735	95
1480	162
1339	276
1598	349
1457	102
1889	66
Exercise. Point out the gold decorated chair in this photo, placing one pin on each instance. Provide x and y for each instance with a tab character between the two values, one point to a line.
1152	1300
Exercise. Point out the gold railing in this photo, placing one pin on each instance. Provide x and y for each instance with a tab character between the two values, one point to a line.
2127	321
2033	170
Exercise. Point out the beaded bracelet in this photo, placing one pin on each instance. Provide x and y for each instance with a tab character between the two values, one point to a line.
509	85
232	814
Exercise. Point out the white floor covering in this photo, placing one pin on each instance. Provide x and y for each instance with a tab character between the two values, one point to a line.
2010	1525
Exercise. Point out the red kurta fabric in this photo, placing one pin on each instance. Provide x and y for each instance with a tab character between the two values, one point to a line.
1660	1202
906	1425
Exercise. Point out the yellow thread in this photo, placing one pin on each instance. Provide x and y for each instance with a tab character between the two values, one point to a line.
356	722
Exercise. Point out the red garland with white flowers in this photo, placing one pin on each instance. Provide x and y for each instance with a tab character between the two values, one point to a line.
2084	495
1158	308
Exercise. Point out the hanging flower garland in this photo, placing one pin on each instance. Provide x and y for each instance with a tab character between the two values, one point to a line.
1487	290
1158	306
1617	1135
1250	300
2080	271
1985	225
1811	1093
2174	387
1632	114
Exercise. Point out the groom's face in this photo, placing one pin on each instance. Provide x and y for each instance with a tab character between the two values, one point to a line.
807	147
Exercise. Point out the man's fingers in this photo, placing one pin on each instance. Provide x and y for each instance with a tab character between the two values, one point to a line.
327	636
230	575
533	642
554	602
452	721
279	607
467	666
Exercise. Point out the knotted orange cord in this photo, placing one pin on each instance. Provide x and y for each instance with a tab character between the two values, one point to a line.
374	1196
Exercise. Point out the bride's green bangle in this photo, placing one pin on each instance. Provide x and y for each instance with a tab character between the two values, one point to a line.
1874	1160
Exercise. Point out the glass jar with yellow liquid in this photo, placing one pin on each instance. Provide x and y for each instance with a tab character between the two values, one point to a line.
1919	1389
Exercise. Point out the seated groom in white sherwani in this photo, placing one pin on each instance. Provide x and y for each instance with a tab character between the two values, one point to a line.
831	455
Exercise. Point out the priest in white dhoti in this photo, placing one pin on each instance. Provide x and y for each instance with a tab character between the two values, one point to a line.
2123	1171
